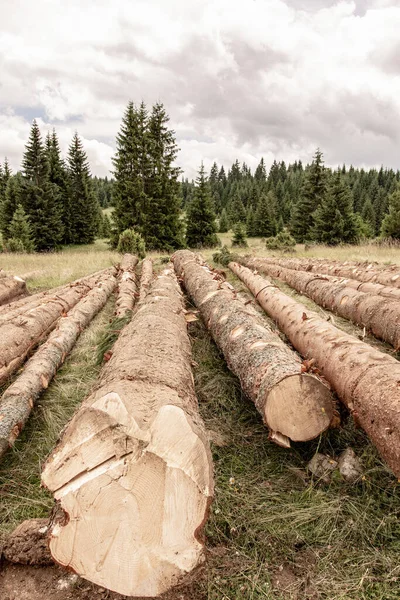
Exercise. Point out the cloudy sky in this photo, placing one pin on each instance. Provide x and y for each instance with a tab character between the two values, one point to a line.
239	78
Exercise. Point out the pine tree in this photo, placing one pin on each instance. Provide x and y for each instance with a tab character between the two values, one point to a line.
162	227
265	222
391	222
58	175
201	226
251	223
223	222
334	219
313	192
38	196
20	232
84	205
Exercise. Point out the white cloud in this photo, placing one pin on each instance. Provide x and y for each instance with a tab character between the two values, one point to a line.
239	79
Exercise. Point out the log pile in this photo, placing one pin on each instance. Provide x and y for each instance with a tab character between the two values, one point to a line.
18	400
365	272
380	316
11	288
366	380
294	405
133	470
21	332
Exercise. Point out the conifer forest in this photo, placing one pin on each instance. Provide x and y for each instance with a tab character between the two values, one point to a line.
199	320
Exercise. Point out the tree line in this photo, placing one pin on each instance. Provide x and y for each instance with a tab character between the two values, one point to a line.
51	201
313	202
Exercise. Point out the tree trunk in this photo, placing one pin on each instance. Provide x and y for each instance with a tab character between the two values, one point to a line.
18	400
378	315
371	273
133	470
146	277
11	288
366	380
21	333
294	405
127	290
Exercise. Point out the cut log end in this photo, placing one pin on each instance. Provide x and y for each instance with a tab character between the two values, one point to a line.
137	507
299	407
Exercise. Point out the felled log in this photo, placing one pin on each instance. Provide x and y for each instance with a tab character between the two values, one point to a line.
365	272
18	400
294	405
378	315
366	380
21	333
11	288
133	470
127	288
145	277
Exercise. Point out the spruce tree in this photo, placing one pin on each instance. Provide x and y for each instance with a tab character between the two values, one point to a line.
369	217
313	192
106	226
20	232
265	222
58	175
84	204
239	235
5	174
201	229
129	194
162	226
334	220
223	222
9	204
251	222
38	196
391	223
236	210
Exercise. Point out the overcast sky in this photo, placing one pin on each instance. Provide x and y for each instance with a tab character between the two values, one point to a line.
239	78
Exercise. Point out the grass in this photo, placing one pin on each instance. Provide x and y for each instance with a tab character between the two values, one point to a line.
274	532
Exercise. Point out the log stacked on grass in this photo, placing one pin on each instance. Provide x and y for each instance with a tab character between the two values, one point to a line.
11	288
294	405
20	333
262	265
127	289
133	470
146	276
364	272
18	307
18	400
366	380
378	315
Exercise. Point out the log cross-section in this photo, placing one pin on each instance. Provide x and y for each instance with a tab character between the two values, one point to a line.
11	288
294	405
133	470
18	400
366	380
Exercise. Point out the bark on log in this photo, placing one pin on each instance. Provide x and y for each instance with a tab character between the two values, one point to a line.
369	288
127	289
378	315
294	405
27	544
20	334
145	277
18	400
11	288
133	470
364	272
366	380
